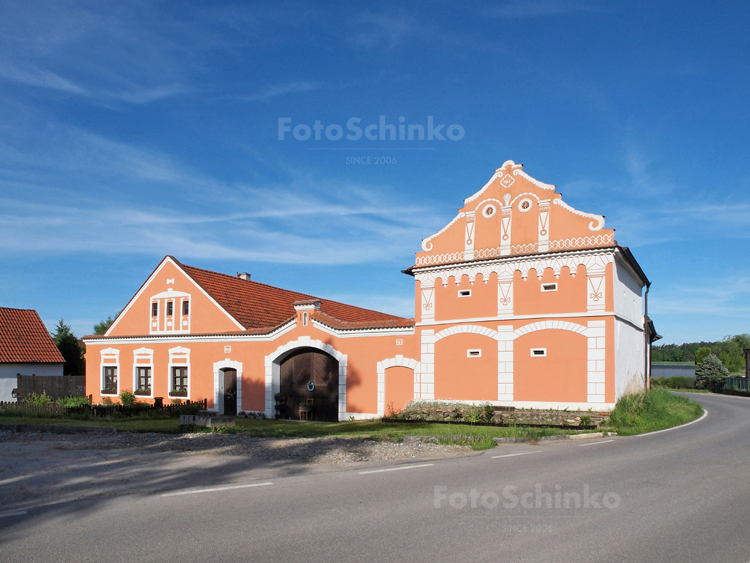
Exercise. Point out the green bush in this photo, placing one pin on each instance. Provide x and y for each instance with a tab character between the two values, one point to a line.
701	354
72	402
127	398
37	399
710	374
673	382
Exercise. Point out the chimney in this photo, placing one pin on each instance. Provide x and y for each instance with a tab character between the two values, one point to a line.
243	276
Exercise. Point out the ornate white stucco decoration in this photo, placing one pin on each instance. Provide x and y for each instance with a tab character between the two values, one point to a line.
427	245
594	260
598	220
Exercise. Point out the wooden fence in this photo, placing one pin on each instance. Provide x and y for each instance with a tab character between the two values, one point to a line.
55	411
56	386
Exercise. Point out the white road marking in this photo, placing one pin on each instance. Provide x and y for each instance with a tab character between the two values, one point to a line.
8	514
705	414
513	455
214	489
594	443
395	468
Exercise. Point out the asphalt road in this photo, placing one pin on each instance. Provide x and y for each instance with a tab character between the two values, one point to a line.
680	496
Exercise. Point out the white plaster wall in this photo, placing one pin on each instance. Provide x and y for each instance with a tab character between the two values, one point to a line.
628	298
629	359
8	373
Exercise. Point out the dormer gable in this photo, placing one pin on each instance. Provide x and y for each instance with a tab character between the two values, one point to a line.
171	302
513	214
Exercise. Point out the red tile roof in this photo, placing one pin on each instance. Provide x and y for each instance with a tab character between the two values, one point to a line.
259	306
24	338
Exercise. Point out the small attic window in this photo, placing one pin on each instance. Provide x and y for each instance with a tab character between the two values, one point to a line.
186	307
154	309
304	319
170	306
473	353
464	293
549	287
538	352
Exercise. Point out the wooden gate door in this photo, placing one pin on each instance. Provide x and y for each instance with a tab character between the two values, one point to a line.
230	392
311	374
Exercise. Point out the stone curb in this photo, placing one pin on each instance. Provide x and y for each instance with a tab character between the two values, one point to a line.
59	428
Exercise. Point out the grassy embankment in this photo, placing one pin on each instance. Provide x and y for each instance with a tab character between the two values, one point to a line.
634	414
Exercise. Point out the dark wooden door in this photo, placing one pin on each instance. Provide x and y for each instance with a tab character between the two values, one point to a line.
311	374
230	392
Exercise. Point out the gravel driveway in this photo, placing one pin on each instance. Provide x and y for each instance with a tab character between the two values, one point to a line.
44	468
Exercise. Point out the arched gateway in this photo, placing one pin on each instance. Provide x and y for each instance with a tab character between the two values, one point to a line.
310	374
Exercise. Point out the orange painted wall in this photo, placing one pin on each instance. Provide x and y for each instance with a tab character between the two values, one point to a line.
459	377
363	355
481	303
558	377
570	296
399	388
206	316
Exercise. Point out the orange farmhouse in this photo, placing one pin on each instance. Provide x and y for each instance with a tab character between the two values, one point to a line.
520	300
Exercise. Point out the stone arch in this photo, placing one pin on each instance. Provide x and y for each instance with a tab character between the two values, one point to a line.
466	328
389	363
273	370
544	325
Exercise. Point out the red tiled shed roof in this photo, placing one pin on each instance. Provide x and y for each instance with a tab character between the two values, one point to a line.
24	338
257	305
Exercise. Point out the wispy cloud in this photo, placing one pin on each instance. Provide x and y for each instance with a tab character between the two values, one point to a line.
385	31
33	76
542	8
276	90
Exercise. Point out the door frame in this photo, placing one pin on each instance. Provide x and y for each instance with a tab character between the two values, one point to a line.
219	384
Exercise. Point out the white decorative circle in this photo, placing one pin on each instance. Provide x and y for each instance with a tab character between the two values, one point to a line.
524	205
489	210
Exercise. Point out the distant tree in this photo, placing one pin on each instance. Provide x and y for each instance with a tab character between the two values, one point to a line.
101	327
701	354
710	374
71	351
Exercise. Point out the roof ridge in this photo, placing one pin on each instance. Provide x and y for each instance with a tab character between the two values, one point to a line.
277	288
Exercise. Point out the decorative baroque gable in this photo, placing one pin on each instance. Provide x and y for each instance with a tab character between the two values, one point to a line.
513	214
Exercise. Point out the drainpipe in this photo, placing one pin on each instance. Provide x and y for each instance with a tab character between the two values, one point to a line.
646	340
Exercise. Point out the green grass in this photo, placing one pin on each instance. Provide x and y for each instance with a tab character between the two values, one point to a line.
479	437
656	409
635	414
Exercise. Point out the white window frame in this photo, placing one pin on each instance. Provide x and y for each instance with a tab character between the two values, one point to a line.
178	357
304	318
109	354
542	355
142	354
474	353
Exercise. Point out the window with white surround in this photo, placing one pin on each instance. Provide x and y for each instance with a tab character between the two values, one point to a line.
538	352
110	371
143	370
473	353
549	287
179	373
304	319
170	312
464	293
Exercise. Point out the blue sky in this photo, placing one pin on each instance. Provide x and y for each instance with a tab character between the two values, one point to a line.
132	130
